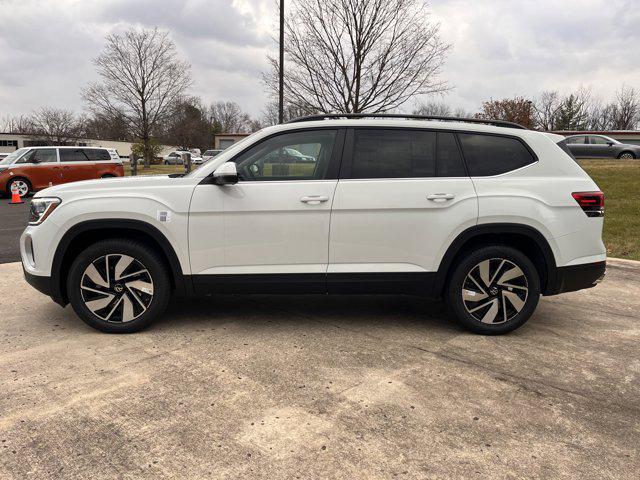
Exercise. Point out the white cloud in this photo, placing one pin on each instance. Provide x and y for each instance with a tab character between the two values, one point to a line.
500	47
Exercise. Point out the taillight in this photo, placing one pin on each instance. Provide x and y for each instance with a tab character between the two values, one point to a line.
591	202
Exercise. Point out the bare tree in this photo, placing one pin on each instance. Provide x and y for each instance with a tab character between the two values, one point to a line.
55	126
270	112
17	124
228	117
546	108
359	55
439	109
625	111
141	79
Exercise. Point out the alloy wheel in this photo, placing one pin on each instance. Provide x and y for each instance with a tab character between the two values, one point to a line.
116	288
21	185
626	156
495	291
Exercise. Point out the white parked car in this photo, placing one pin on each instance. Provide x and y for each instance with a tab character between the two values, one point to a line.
209	154
485	215
175	158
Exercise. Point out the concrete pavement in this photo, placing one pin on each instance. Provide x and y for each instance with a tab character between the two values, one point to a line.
310	387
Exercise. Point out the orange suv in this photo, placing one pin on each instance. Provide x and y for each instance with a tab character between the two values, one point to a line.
33	168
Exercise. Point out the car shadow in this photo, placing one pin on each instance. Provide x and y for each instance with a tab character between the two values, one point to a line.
341	311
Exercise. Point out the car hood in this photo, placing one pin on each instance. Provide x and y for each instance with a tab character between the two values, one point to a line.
108	186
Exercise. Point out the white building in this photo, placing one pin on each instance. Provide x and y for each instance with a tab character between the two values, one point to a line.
12	141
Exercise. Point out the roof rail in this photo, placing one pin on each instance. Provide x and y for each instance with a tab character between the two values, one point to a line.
327	116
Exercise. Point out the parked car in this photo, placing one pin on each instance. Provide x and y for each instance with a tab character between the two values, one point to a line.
442	209
601	146
209	154
31	169
175	158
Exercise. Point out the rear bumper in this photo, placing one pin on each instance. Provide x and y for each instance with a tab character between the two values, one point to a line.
577	277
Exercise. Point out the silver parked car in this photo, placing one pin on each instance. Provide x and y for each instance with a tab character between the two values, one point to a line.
601	146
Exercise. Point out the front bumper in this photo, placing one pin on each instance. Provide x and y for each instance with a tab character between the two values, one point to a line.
577	277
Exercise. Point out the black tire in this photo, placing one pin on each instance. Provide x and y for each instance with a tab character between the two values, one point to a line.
117	248
525	287
107	175
622	154
24	181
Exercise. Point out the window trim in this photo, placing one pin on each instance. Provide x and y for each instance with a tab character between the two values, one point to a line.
349	148
334	162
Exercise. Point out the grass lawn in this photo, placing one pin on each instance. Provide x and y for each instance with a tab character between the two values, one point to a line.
620	182
618	179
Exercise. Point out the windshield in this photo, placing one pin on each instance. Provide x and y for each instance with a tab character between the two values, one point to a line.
233	148
14	156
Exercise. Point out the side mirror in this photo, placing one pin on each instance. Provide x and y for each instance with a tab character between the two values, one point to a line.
610	144
226	174
35	161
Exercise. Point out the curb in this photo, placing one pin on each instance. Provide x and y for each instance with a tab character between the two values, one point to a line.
622	262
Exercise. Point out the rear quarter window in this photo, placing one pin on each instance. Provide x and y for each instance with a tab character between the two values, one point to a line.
97	154
488	155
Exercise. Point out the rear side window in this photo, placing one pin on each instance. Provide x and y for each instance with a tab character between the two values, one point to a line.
97	154
488	155
563	146
405	154
72	155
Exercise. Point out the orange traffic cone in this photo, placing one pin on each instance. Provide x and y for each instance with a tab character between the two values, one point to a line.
15	196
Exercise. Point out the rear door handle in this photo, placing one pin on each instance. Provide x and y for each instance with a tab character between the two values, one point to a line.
440	197
314	199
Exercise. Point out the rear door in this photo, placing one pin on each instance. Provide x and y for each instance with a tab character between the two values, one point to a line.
600	147
76	165
402	197
578	145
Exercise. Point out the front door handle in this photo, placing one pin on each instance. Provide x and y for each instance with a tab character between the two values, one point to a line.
440	197
314	199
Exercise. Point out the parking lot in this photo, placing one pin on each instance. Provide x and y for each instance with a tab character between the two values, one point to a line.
13	219
318	387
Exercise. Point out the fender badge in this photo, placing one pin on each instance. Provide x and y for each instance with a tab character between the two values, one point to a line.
164	216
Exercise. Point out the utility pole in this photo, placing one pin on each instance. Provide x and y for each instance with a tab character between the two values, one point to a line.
281	79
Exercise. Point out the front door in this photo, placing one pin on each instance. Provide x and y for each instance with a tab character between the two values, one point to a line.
600	147
402	197
270	231
41	167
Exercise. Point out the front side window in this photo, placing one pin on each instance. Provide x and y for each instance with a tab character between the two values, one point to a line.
488	155
290	156
599	141
41	155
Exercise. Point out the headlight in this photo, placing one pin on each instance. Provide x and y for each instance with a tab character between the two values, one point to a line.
41	208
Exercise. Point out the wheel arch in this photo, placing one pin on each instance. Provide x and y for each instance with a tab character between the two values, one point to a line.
633	154
522	237
84	233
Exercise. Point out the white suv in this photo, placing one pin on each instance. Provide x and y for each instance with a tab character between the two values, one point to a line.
484	214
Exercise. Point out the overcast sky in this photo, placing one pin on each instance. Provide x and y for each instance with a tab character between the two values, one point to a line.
500	48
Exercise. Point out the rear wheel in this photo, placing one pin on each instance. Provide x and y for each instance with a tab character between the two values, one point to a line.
118	286
108	175
22	184
493	290
626	156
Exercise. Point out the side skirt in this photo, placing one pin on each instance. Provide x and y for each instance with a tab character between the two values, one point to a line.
412	283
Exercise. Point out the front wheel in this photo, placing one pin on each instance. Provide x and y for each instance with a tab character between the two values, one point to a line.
626	156
118	285
23	186
493	290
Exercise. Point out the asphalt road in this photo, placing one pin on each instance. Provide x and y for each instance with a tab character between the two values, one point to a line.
308	387
13	220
